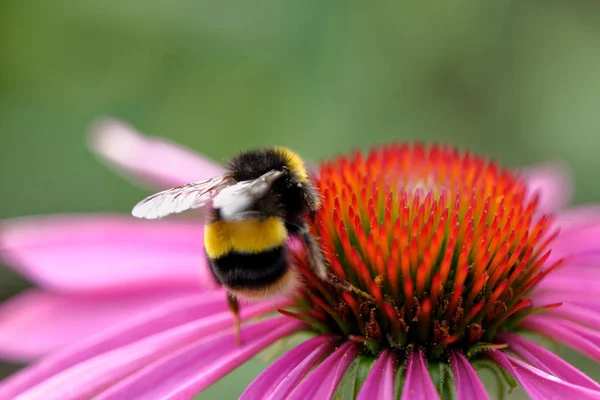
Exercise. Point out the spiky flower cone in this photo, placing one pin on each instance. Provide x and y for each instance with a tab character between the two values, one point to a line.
445	246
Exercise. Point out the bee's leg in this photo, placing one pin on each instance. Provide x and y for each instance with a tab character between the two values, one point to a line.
234	306
316	260
317	263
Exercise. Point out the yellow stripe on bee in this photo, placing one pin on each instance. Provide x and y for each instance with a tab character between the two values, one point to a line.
295	163
246	236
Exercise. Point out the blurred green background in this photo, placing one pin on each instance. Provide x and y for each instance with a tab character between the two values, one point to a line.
517	81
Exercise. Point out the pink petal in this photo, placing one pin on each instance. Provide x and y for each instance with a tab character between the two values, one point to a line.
573	271
417	382
35	322
468	384
289	369
380	381
578	217
590	258
553	182
193	368
92	376
387	390
562	283
323	381
158	319
547	361
152	160
578	242
574	335
581	298
289	383
102	253
539	384
577	313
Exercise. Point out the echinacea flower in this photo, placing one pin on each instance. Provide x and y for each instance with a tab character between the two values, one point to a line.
453	258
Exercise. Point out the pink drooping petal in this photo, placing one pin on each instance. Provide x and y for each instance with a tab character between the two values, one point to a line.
162	317
553	182
291	381
562	283
151	160
387	390
103	253
581	298
93	376
539	384
286	370
380	381
577	245
547	361
193	368
283	388
572	283
587	258
417	382
36	322
323	381
468	384
581	315
542	295
572	271
578	217
580	338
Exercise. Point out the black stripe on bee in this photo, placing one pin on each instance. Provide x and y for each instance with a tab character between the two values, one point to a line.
250	271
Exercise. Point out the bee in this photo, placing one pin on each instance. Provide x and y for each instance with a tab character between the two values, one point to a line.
263	198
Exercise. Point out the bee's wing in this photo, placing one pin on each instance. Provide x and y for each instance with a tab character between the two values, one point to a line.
239	197
182	198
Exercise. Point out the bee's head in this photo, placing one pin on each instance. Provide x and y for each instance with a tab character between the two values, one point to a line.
253	164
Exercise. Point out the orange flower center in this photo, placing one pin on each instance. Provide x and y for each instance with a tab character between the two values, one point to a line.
445	246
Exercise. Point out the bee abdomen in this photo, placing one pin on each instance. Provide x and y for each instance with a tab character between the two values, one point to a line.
251	272
249	236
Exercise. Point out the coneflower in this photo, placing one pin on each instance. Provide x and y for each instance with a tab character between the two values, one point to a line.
442	260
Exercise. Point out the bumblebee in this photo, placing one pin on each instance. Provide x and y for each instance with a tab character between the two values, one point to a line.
264	198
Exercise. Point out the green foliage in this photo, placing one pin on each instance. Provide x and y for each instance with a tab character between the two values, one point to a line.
354	378
504	383
441	375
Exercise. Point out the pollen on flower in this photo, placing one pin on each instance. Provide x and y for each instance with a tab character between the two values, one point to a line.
446	244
